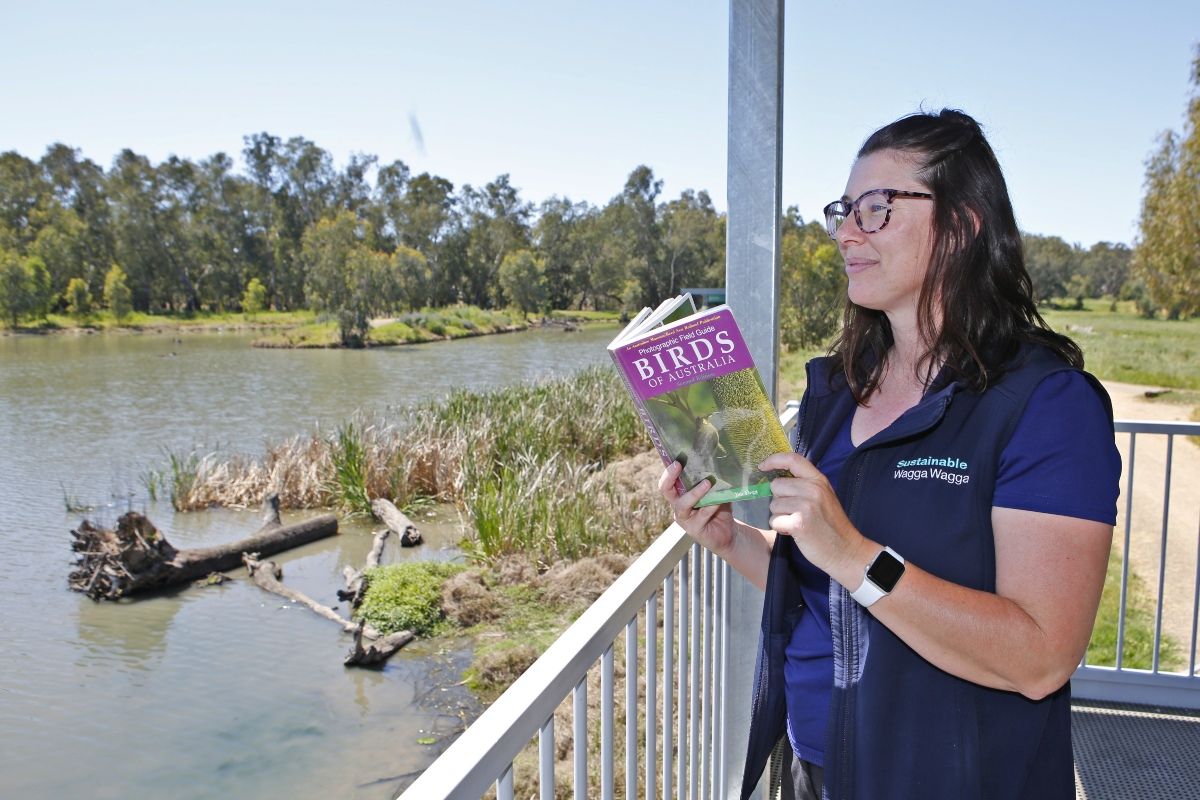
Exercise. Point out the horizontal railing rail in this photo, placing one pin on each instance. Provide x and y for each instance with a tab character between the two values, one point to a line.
1159	544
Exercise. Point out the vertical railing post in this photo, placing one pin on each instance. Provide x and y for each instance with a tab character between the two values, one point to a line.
752	290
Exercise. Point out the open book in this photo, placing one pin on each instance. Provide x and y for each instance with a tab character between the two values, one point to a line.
696	389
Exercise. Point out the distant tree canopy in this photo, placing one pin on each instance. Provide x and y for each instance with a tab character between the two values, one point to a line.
293	231
1167	259
369	238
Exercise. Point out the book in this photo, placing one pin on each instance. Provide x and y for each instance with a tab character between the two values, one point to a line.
696	389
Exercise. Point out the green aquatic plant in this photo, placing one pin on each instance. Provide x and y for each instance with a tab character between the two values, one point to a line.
349	456
406	596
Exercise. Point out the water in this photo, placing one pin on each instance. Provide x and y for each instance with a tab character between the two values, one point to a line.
222	691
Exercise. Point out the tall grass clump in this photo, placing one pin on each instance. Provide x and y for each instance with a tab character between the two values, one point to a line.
182	477
349	456
526	464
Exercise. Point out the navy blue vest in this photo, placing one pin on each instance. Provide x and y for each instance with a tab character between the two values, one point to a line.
899	726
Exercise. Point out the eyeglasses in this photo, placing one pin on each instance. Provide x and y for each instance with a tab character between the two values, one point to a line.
872	210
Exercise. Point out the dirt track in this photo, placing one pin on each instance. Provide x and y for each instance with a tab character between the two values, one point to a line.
1183	519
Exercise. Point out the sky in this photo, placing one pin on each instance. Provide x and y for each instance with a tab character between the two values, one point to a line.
567	98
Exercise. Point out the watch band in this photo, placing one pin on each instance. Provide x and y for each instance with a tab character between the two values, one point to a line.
869	590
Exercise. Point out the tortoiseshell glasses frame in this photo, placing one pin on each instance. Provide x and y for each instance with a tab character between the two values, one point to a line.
877	216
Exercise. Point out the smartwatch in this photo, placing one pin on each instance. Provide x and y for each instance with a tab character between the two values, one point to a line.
880	577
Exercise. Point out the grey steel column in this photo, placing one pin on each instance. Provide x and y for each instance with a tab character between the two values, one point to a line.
752	290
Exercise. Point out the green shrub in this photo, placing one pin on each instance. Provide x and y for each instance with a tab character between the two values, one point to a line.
406	596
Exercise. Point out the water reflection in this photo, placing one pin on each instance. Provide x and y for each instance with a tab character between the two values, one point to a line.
131	632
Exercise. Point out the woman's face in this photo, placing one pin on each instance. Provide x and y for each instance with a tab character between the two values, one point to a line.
886	268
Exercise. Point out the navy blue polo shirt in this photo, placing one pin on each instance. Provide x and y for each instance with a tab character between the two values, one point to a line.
1061	459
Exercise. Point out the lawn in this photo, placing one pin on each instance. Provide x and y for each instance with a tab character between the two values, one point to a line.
1123	346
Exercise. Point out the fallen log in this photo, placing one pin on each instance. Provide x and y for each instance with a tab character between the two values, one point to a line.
136	557
375	652
356	584
395	519
267	574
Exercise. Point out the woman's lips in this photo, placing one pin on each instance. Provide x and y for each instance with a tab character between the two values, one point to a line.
854	265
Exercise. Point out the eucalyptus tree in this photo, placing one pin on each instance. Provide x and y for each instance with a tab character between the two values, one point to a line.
556	237
388	201
602	258
693	250
344	276
813	283
1167	257
423	214
1051	262
1107	267
264	220
62	245
524	280
24	286
173	220
220	232
85	234
137	195
117	295
352	187
497	223
634	216
22	190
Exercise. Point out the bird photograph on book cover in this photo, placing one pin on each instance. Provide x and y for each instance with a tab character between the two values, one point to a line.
706	401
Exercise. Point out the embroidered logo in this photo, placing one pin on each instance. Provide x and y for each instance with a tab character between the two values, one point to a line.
926	468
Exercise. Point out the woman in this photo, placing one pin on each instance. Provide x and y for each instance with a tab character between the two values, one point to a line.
936	557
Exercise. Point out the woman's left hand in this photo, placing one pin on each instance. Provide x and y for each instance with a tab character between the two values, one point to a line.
805	507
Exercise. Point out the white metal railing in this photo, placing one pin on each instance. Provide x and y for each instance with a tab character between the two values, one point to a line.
688	759
674	569
1160	544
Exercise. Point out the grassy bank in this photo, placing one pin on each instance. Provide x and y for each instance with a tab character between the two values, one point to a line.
530	468
427	325
138	321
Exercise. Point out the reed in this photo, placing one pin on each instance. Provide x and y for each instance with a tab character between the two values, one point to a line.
526	464
349	457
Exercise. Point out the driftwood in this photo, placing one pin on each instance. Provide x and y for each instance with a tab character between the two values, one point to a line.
375	652
267	574
396	521
136	557
356	583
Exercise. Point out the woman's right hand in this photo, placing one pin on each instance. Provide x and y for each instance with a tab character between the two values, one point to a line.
711	526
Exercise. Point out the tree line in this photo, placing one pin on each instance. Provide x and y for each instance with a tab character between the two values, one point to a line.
292	231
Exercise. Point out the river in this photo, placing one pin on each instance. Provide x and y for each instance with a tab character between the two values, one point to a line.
218	692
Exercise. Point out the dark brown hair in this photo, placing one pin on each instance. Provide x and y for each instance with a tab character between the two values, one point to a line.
976	272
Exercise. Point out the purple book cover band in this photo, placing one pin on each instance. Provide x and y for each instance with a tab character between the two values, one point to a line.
701	398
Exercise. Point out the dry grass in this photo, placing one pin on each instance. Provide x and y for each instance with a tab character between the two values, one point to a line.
529	467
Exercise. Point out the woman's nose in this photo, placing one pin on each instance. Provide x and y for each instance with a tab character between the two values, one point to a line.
848	232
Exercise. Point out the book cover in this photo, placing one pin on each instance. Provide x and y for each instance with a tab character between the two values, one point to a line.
702	400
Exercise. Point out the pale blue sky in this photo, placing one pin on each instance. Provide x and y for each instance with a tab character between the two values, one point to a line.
569	97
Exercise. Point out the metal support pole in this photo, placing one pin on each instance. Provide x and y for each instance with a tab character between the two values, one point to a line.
752	290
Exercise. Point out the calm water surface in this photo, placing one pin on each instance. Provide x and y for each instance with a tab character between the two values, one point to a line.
224	691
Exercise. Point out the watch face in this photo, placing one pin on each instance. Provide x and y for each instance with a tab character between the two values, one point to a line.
885	570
